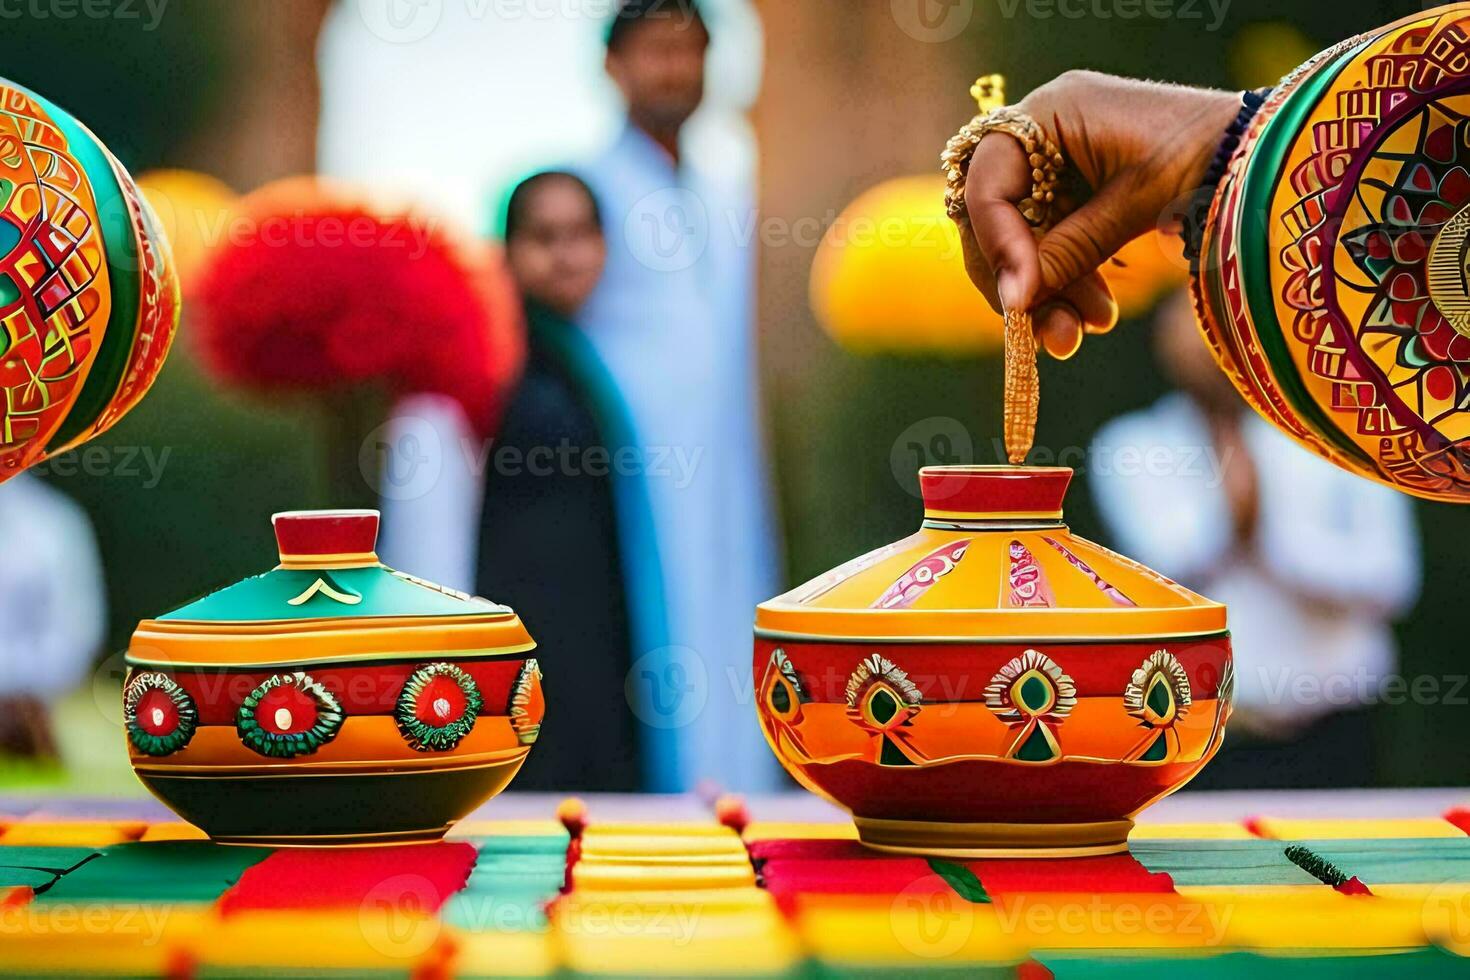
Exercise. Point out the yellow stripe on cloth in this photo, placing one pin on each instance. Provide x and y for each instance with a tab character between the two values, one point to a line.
370	938
743	899
759	830
501	954
853	931
176	830
72	833
1354	829
506	828
662	940
637	877
1323	922
64	940
681	828
600	844
1190	831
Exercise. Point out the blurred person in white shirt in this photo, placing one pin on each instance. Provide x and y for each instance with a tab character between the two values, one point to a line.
52	610
1312	562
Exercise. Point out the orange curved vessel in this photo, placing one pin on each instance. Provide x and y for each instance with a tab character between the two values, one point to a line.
993	684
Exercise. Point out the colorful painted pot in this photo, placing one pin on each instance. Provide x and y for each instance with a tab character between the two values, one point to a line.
992	684
1335	284
89	301
331	700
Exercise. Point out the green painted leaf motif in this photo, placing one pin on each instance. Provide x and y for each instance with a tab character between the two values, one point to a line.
780	699
1035	693
1160	698
1157	752
883	706
962	880
1036	748
891	755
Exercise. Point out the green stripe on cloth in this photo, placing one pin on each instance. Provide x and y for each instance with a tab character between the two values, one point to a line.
57	859
1373	966
25	878
162	871
481	913
1221	862
548	845
1425	860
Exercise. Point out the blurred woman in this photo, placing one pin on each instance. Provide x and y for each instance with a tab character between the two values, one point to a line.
564	533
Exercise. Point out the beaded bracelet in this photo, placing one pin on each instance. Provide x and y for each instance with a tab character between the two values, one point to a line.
1197	210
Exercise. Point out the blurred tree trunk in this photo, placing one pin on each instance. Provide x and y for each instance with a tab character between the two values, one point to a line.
850	98
853	94
273	94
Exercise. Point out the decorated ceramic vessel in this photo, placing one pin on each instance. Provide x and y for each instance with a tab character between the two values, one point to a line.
88	296
1335	288
331	700
993	684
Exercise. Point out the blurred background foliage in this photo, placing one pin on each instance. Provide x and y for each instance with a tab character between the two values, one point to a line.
182	95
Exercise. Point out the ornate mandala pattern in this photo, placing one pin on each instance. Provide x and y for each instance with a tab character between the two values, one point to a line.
1349	340
1158	693
288	715
159	715
437	707
782	686
54	299
1032	694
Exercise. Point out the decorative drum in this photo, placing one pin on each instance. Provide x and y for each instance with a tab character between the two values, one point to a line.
1335	282
331	700
993	684
88	296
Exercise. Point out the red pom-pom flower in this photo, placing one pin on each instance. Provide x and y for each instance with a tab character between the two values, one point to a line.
317	288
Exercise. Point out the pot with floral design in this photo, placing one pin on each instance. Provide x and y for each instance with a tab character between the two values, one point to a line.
993	684
330	700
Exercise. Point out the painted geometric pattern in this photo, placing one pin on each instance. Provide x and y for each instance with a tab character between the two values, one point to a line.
1392	364
1201	894
53	281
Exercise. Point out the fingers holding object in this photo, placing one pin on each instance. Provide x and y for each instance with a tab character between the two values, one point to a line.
1000	177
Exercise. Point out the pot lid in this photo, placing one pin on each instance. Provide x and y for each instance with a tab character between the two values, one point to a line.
330	598
992	561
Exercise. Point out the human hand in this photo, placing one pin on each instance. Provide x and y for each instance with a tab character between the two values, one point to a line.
1133	148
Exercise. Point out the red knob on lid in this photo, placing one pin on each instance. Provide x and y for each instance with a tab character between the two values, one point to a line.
327	537
994	492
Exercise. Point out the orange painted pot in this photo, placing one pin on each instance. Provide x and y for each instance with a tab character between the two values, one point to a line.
330	700
993	684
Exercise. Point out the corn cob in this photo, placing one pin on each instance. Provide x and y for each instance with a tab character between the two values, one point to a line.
1022	386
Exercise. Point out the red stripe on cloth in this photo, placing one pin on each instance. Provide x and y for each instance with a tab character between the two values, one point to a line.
852	876
1111	873
809	849
418	877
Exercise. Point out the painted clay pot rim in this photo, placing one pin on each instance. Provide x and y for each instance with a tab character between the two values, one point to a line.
328	601
986	509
